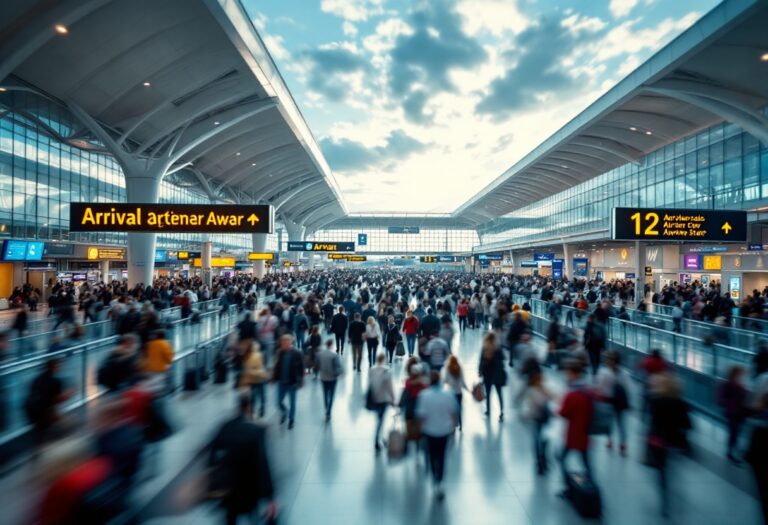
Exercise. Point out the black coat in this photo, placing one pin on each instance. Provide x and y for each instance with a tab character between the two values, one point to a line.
296	366
239	455
356	332
391	336
430	325
492	370
339	324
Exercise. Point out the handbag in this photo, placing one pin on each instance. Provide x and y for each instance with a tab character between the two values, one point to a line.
478	394
400	349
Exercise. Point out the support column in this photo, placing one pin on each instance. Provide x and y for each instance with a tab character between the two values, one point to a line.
567	262
640	278
259	245
104	269
206	249
141	246
295	233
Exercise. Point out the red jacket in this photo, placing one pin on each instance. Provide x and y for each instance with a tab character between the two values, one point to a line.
462	310
411	325
577	409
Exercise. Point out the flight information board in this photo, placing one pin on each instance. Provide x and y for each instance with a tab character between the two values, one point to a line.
171	218
311	246
403	229
672	224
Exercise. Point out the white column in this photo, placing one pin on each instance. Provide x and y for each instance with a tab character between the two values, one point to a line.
640	278
259	245
104	269
206	249
141	246
295	233
567	262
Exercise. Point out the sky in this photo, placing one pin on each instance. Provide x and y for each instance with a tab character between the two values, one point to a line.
418	105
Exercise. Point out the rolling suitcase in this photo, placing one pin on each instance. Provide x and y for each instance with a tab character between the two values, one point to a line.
191	380
584	495
220	372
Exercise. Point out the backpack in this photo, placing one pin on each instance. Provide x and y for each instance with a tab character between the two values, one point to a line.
620	397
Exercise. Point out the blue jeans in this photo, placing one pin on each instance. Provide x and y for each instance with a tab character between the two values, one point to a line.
282	390
411	340
300	337
380	409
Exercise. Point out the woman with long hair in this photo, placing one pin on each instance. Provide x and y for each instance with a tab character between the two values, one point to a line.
372	337
491	369
453	376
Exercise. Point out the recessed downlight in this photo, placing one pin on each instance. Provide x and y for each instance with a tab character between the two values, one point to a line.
216	123
764	57
238	153
61	29
649	133
147	84
632	128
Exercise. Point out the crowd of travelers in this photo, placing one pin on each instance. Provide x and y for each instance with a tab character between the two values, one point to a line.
295	326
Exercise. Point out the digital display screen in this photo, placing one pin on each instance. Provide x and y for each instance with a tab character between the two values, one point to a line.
161	256
489	257
673	224
35	250
15	250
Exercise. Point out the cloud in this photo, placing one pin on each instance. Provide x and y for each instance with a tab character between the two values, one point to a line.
350	155
353	10
620	8
329	67
349	28
492	16
536	72
422	60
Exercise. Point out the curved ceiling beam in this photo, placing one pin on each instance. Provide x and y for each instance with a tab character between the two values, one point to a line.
263	182
264	162
302	216
284	184
591	154
35	29
302	202
589	163
649	121
302	187
560	173
608	145
625	135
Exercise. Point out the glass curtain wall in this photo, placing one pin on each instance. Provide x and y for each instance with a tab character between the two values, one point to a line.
718	168
426	241
40	175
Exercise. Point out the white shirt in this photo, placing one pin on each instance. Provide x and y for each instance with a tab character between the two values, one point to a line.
438	412
372	331
455	384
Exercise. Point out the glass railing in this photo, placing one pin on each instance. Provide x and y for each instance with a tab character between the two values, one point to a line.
80	364
701	363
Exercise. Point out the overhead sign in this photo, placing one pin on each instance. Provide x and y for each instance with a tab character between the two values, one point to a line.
648	271
543	256
486	257
347	257
691	261
95	253
310	246
216	262
173	218
668	224
357	258
757	247
448	259
403	229
161	256
259	256
336	256
529	264
362	239
428	259
289	263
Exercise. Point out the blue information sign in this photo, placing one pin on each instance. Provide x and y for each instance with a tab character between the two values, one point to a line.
362	239
543	256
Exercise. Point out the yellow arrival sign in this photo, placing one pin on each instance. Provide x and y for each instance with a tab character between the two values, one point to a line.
180	218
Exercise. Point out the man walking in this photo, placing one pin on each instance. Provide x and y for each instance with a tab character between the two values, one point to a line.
289	376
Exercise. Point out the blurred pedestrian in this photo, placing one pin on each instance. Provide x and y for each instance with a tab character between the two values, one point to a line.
538	412
381	394
254	376
732	397
288	373
240	466
491	370
372	338
577	408
453	377
612	385
438	415
329	369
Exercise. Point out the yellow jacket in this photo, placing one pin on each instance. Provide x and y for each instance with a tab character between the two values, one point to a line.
159	355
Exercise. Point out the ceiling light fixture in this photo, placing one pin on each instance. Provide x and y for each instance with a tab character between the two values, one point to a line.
61	29
632	128
764	57
3	90
238	153
649	133
216	123
147	84
253	163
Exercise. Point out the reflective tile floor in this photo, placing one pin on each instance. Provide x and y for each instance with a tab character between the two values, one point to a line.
329	474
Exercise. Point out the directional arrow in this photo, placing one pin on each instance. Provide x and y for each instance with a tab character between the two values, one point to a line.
253	219
726	228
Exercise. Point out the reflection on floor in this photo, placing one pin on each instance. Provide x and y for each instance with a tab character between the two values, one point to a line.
329	474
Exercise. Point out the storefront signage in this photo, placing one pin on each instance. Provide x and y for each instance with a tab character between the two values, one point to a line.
23	250
735	287
58	249
557	269
403	229
757	247
707	249
448	259
629	275
691	262
187	255
95	253
259	256
711	262
580	266
671	224
175	218
310	246
288	264
543	256
490	257
529	264
428	259
648	271
216	262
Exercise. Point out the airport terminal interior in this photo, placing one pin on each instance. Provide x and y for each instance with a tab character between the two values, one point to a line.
383	262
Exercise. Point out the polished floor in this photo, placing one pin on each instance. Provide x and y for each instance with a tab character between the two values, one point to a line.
329	474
